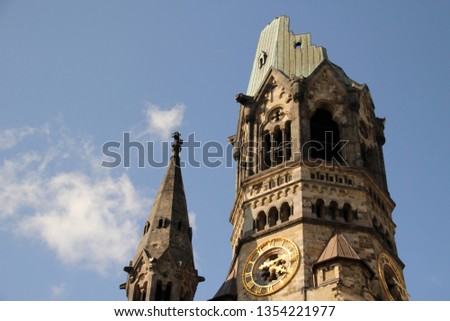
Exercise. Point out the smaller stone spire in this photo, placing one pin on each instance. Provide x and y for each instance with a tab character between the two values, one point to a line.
163	266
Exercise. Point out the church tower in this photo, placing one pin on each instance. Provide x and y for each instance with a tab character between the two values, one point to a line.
163	266
312	217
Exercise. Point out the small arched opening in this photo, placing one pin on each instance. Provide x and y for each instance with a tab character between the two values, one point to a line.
285	212
261	221
320	208
273	216
325	137
333	210
347	212
146	227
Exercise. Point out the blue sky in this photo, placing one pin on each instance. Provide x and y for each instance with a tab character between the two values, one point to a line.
74	75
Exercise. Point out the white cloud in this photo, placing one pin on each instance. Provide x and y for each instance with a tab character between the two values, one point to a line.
20	187
162	122
63	198
10	137
87	221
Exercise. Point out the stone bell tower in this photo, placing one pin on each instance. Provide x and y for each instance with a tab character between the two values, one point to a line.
163	266
312	215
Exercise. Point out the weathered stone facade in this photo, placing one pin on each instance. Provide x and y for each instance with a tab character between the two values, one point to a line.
310	169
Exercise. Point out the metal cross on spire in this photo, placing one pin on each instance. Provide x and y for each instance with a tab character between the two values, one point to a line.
176	145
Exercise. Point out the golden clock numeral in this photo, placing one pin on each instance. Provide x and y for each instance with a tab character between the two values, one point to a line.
270	288
251	284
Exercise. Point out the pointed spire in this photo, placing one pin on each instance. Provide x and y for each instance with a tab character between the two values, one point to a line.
168	220
164	254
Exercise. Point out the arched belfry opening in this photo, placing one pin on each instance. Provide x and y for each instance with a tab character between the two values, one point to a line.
261	221
275	139
325	136
278	145
287	141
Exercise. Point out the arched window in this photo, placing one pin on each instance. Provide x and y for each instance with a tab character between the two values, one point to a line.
267	162
275	147
273	216
347	212
146	227
287	140
278	146
325	137
320	208
285	212
333	210
261	221
160	223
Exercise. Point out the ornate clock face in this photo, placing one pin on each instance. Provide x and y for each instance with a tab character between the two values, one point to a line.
270	266
391	279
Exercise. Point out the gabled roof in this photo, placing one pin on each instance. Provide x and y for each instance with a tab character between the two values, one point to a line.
273	75
337	247
338	73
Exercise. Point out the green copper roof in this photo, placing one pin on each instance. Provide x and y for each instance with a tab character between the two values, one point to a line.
280	48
